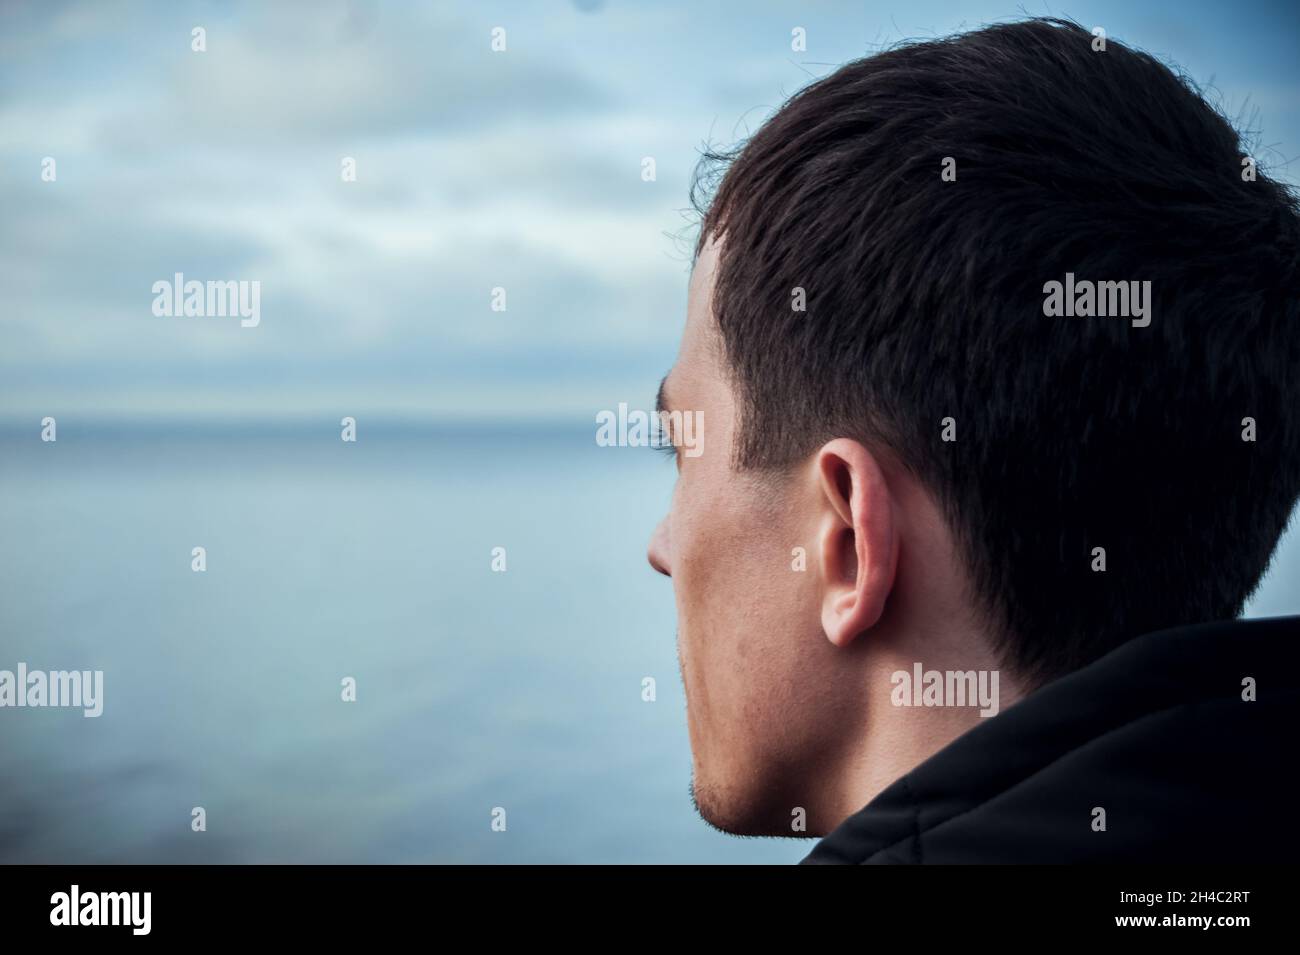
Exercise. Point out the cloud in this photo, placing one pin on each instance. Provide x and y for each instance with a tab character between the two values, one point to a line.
475	170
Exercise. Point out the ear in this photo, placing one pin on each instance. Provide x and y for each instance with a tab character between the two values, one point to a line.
858	540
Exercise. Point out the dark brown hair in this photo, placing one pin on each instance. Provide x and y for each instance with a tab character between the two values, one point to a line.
925	301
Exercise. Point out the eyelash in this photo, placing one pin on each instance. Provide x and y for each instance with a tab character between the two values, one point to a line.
663	443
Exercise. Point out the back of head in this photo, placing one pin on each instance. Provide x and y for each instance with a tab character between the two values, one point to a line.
925	200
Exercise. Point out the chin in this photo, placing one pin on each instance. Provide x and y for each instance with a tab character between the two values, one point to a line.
740	812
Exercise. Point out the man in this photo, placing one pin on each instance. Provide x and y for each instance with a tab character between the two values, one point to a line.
996	339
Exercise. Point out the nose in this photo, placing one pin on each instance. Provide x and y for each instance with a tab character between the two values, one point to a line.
657	552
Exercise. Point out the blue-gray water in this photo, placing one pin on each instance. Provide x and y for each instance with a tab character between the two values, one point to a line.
371	560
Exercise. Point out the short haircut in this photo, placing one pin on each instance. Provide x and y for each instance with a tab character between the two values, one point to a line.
924	299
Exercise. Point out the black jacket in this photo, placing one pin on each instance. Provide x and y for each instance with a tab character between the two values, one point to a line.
1156	733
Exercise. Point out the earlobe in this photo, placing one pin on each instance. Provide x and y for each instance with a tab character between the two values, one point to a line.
858	545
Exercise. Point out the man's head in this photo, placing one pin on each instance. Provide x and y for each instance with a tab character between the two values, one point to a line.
888	394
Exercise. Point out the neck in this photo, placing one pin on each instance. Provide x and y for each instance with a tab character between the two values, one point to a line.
904	724
929	621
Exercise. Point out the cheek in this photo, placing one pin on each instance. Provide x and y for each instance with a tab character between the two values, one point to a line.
709	534
729	542
740	602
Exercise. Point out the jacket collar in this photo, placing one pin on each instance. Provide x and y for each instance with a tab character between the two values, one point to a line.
994	767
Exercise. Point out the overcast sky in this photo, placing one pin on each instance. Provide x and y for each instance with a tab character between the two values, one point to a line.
520	169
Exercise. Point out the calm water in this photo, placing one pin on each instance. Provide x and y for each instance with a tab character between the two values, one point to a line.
475	689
